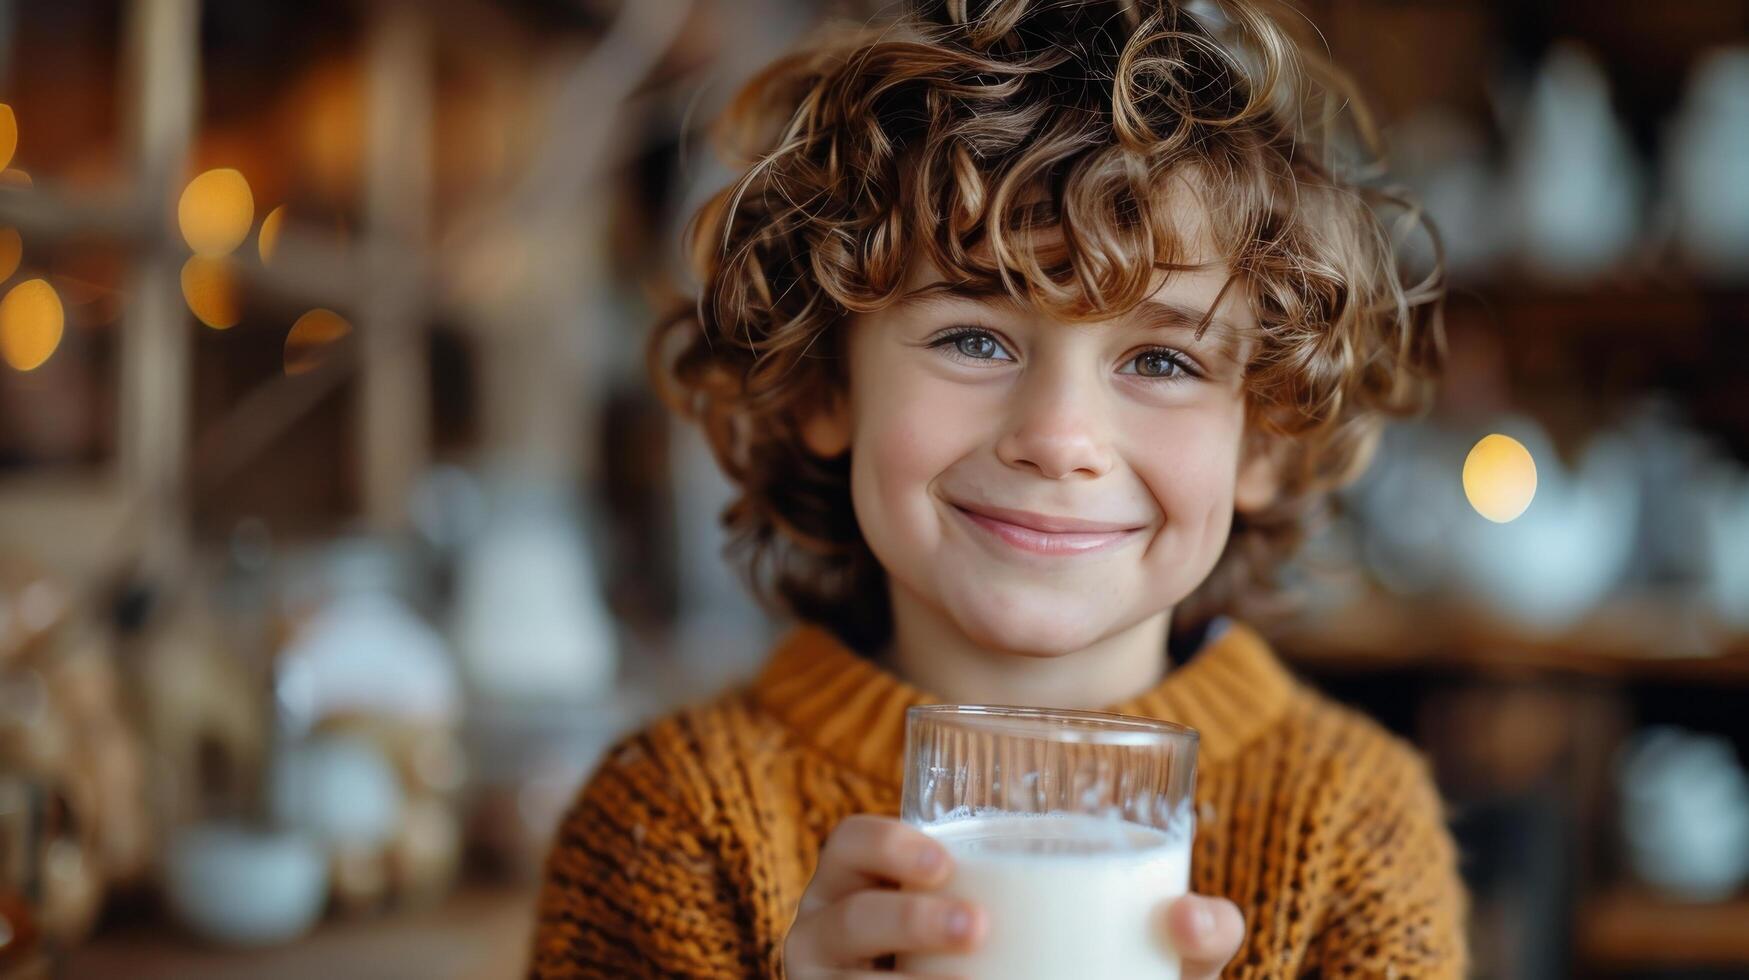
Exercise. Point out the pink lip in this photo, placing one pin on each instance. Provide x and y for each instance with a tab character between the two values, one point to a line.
1043	534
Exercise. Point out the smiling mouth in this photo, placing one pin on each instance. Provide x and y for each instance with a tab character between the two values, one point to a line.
1038	534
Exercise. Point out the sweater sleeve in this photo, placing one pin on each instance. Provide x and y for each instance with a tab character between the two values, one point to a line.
1398	906
632	886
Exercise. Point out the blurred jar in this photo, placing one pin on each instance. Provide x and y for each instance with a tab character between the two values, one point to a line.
1685	813
21	950
361	648
63	735
368	761
1575	185
530	621
1705	149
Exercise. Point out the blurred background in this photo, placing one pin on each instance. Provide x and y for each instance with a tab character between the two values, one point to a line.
339	530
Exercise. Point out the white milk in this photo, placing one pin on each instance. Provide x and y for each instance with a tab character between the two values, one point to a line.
1065	896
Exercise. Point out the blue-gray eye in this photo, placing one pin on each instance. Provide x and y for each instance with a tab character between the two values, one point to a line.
978	345
1155	364
1159	364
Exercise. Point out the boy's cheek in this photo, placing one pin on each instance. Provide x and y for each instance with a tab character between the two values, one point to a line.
911	441
892	502
907	444
1190	463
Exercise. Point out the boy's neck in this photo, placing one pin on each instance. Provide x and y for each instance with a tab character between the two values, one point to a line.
930	653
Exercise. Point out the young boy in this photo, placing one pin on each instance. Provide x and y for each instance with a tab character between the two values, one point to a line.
1033	336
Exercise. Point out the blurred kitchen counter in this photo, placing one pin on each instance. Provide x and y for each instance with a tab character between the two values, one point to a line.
479	933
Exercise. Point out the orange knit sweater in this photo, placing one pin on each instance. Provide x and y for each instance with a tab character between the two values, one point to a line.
687	852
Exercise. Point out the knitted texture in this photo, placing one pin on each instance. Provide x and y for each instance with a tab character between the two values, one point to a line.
687	852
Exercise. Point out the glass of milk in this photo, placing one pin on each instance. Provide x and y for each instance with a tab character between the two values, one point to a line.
1071	829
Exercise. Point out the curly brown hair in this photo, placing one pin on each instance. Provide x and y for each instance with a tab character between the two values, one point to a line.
953	133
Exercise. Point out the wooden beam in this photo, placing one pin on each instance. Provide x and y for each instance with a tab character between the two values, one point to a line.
160	92
394	434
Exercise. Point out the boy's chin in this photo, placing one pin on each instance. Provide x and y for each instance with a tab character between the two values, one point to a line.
1033	629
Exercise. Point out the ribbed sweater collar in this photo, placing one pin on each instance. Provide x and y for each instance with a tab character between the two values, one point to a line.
1230	691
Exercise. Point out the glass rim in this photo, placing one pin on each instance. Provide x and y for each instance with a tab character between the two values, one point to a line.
1088	725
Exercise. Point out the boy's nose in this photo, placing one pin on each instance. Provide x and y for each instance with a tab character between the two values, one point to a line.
1056	430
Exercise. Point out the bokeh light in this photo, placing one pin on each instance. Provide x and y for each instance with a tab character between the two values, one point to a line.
14	177
1499	478
11	252
31	320
267	240
210	289
216	211
330	113
310	337
8	135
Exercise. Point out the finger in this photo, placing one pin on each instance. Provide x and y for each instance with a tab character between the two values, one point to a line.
1207	932
875	923
865	851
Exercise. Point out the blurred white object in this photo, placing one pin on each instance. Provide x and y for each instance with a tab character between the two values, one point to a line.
339	790
721	631
448	507
1571	547
1444	158
1707	154
1673	459
365	651
530	622
1725	516
1410	505
1685	813
242	887
1575	182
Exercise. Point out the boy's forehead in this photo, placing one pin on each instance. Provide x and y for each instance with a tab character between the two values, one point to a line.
1201	289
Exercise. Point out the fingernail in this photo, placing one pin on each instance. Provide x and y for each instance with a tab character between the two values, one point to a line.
959	923
929	859
1202	921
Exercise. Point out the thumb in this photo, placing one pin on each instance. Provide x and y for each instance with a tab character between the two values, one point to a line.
1207	932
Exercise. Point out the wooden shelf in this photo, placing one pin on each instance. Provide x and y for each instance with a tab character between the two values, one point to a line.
1646	639
1628	928
479	933
1576	359
1626	305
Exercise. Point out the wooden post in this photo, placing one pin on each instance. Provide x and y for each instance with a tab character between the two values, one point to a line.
161	93
394	432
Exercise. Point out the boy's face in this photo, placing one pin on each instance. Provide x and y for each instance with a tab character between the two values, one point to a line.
1045	485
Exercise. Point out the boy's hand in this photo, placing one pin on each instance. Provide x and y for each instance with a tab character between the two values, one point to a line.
1206	932
851	914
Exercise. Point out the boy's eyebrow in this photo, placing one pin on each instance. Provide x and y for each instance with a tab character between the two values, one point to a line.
1150	313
